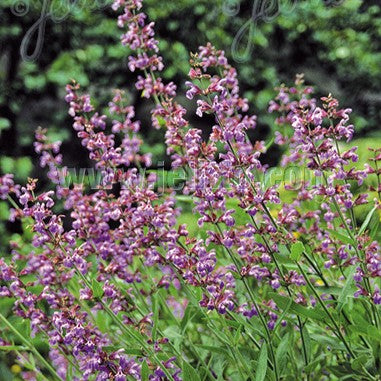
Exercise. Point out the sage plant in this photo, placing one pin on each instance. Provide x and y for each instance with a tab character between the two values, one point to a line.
278	283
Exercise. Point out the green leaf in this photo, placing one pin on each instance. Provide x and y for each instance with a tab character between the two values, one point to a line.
32	360
310	313
237	335
307	343
341	236
341	371
96	289
189	373
133	351
359	362
5	372
281	317
221	336
155	310
210	348
12	348
103	321
7	164
188	314
128	351
312	365
134	333
346	290
367	220
270	143
297	251
250	326
260	373
373	332
281	353
365	329
4	210
145	371
283	250
374	228
325	340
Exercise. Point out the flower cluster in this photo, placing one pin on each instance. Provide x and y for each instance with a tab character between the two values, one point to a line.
8	186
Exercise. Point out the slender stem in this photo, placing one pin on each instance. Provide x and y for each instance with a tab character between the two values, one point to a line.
13	202
378	174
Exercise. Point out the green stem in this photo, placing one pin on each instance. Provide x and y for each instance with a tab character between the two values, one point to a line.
378	177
